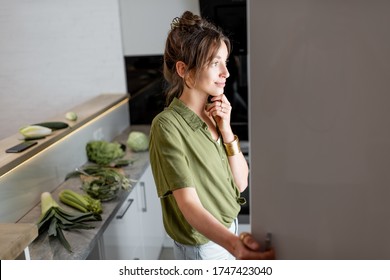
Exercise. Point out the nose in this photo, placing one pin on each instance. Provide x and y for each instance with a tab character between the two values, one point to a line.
225	72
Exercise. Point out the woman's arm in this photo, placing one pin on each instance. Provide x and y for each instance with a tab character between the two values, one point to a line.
221	110
238	164
199	218
240	170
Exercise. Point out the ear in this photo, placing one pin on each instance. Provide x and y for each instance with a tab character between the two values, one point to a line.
181	68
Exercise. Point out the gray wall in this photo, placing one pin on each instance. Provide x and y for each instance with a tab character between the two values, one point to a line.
320	127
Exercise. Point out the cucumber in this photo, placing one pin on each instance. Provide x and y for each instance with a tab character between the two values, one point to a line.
53	125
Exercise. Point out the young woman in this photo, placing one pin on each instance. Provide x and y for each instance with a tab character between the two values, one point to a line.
196	159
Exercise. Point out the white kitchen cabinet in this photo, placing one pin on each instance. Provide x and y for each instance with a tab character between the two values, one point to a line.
151	219
123	237
137	230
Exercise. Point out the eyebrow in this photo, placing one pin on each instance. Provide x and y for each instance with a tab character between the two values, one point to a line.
217	57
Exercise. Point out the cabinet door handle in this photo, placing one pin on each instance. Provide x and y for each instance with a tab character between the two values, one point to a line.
122	214
144	208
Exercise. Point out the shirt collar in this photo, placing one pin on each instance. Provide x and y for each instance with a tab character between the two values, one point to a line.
187	114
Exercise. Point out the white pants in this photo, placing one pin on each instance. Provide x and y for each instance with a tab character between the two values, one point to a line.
208	251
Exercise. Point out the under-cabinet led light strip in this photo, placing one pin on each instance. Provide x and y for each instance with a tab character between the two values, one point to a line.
124	101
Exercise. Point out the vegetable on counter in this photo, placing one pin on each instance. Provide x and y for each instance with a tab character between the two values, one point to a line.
83	203
102	182
53	125
71	116
138	141
103	152
54	219
35	131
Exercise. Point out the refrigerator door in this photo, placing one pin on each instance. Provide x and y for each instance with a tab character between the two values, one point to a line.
320	127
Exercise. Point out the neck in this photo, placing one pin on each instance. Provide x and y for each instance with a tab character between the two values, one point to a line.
195	101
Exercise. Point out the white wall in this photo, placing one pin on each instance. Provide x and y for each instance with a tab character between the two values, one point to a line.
54	55
320	127
57	54
145	24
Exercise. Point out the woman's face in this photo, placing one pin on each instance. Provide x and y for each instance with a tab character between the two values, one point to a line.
213	77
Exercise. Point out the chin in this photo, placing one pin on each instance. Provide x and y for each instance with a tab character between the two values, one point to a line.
218	92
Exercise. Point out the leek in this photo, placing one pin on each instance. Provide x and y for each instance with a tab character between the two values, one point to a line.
54	219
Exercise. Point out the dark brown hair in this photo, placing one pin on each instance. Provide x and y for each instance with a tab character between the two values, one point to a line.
194	41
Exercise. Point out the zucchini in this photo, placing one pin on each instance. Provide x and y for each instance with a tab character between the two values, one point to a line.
53	125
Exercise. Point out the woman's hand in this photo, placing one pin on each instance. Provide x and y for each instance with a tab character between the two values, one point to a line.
247	248
220	109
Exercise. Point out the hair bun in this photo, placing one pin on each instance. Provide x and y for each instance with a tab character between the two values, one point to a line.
187	20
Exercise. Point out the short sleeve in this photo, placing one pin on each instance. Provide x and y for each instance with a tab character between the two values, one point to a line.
169	163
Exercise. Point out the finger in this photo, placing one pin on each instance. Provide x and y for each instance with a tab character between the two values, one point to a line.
269	255
225	108
222	98
251	243
220	111
212	107
225	100
218	97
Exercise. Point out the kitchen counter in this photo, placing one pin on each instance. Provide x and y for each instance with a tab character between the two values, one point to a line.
84	241
14	238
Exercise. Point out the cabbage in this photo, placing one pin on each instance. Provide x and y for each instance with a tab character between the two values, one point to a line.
103	152
138	141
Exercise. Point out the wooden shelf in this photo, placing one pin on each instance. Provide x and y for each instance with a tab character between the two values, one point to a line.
86	112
